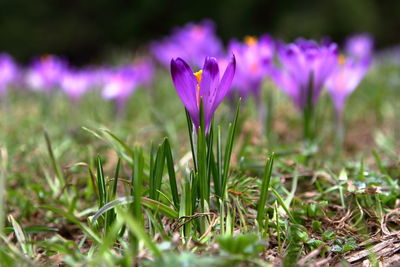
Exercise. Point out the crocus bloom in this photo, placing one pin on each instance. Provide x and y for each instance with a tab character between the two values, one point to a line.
76	83
119	85
302	62
144	71
45	74
8	72
255	59
193	42
203	86
346	77
360	47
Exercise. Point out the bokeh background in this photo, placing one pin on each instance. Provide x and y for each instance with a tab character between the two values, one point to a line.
86	31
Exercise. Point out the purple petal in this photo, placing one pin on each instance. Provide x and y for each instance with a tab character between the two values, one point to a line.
225	83
185	83
344	81
209	86
287	84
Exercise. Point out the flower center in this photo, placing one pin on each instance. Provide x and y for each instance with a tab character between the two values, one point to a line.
198	78
341	60
250	40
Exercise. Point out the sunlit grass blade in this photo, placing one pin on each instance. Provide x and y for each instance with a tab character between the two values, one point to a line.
228	151
53	160
126	148
104	249
110	216
21	237
138	230
282	203
12	256
147	202
101	183
261	214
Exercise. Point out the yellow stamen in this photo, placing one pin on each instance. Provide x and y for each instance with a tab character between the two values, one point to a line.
342	60
250	40
198	76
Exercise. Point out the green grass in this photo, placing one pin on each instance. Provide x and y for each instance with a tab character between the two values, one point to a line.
82	187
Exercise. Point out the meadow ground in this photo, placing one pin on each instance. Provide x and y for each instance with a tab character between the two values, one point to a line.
64	164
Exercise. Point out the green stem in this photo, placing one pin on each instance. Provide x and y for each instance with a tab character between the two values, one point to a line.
308	113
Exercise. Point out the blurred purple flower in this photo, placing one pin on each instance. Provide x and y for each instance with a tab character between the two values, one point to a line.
76	83
45	73
9	72
254	59
119	85
360	47
204	85
193	42
144	71
301	62
344	80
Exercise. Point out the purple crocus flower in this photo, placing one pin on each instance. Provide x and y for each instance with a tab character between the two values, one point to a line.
344	80
45	73
360	46
119	85
76	83
301	62
255	59
144	71
193	42
8	72
204	85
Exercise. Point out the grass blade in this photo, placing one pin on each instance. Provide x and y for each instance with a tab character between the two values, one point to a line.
101	183
138	230
137	182
228	150
157	173
171	173
119	141
264	192
89	232
53	160
282	203
22	239
115	183
190	130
